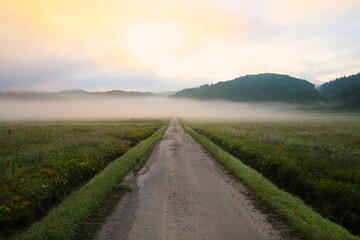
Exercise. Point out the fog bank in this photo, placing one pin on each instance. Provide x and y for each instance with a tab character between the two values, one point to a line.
144	107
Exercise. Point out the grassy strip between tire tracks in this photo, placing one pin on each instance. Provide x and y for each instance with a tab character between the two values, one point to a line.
63	221
296	213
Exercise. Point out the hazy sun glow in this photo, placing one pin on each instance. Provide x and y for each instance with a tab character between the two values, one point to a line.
153	41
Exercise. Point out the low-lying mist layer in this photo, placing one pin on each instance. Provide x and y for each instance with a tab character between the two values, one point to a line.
145	107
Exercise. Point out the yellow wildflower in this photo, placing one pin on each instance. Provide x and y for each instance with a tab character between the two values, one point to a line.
50	172
17	198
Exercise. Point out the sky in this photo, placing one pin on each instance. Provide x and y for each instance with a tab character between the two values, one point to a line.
167	45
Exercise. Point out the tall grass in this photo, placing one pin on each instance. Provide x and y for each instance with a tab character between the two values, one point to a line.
40	163
319	162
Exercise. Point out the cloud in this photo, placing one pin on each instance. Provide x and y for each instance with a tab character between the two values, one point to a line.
29	73
40	38
70	73
167	45
285	10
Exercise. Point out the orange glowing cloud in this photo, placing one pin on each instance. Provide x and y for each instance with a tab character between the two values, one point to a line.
110	31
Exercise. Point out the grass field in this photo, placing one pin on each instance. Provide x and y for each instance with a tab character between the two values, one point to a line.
317	161
42	162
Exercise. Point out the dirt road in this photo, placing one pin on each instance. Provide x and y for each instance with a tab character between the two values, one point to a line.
183	193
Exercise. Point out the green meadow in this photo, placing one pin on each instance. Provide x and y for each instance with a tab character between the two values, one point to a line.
43	162
319	162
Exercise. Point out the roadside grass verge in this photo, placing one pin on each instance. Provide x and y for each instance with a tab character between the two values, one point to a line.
141	161
296	213
63	221
93	223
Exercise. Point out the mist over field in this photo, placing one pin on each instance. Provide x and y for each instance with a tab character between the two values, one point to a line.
144	107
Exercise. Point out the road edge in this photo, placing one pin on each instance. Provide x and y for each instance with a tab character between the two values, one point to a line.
300	217
63	221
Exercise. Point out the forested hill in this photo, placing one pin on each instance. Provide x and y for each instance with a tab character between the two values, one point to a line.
260	87
334	87
344	91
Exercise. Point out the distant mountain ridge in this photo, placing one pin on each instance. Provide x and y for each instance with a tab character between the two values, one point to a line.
340	94
72	93
265	87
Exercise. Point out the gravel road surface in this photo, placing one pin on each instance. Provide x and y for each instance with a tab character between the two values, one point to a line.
183	193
